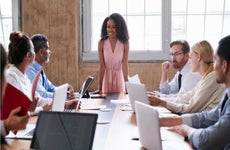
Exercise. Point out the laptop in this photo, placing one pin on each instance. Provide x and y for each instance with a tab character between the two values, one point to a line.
153	137
135	79
63	130
83	92
136	92
59	97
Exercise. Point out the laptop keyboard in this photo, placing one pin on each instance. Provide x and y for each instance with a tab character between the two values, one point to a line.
69	110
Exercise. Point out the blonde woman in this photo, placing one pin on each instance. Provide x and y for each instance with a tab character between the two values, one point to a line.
206	94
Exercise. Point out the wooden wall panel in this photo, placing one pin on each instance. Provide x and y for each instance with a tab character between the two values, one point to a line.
59	21
149	73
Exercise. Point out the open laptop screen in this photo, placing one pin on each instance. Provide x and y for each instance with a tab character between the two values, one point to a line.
62	130
87	83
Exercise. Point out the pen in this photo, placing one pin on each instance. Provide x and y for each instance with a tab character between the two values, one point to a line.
80	96
68	92
135	139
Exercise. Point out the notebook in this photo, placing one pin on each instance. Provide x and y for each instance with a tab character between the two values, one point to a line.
9	102
59	97
136	92
64	131
151	136
58	104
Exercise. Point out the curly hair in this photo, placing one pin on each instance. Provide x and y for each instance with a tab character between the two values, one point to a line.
121	27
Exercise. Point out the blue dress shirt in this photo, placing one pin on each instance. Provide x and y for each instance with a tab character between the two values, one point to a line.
44	87
213	127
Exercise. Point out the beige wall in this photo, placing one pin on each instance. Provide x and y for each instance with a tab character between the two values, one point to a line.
59	20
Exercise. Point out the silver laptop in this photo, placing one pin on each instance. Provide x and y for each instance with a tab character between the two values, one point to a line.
59	97
136	92
64	131
135	79
151	136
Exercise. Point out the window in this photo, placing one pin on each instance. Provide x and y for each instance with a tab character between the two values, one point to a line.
153	24
9	19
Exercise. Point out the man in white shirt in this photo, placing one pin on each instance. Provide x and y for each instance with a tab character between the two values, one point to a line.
179	56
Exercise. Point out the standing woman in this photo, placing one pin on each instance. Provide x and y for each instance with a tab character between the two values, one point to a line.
113	50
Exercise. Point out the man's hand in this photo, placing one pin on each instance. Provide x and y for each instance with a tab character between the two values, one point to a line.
165	66
156	101
72	104
70	93
183	129
47	106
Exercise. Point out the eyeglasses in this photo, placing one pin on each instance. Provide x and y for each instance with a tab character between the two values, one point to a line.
176	54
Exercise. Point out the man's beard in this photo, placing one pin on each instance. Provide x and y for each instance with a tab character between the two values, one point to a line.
176	65
47	59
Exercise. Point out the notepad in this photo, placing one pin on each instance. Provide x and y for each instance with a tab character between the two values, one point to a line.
26	134
13	98
87	104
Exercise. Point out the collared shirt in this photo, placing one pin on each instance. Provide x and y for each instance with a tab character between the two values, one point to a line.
188	82
44	87
20	81
212	127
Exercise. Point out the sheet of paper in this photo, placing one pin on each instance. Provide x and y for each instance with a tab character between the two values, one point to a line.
22	134
120	101
92	104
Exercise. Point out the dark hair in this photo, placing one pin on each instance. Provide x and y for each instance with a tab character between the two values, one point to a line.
3	59
121	27
39	41
18	48
223	50
183	43
103	29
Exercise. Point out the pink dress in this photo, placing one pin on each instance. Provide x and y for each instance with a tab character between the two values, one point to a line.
113	80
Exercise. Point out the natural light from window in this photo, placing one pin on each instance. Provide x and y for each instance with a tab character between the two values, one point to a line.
5	21
210	20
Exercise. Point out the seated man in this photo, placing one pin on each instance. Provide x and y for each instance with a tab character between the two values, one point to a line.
44	87
184	80
206	94
209	130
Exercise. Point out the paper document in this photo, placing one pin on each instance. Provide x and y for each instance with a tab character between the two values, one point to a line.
92	104
120	101
23	134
